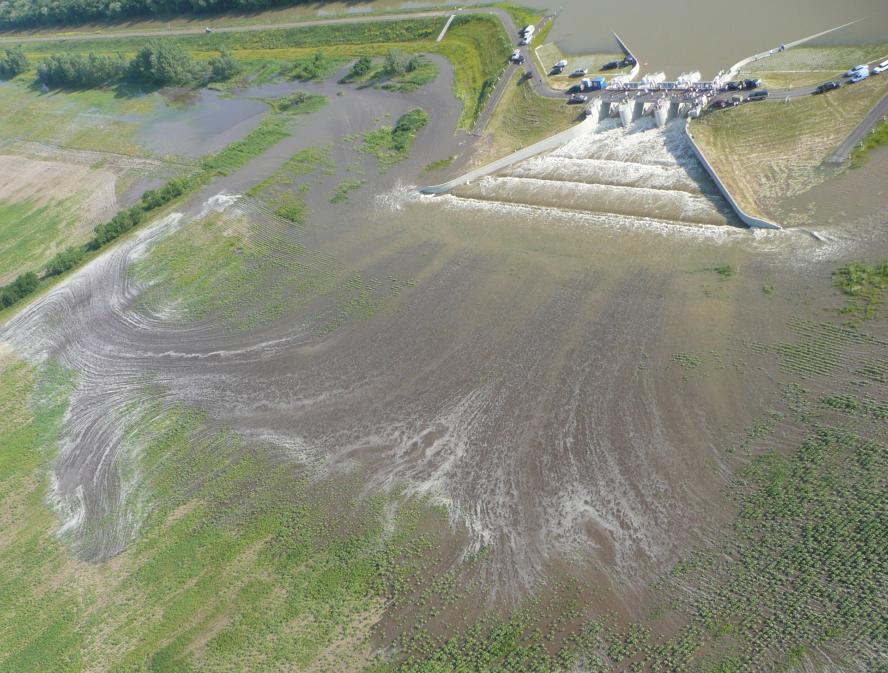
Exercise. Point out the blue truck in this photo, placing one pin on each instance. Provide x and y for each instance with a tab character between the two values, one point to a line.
594	84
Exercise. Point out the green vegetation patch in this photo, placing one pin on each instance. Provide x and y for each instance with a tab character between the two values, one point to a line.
391	145
523	117
865	285
343	190
521	15
29	232
877	138
396	71
297	103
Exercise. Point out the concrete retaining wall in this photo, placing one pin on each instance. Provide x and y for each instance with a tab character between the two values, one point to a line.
746	218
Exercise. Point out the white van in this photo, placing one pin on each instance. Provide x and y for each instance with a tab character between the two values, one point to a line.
860	76
882	67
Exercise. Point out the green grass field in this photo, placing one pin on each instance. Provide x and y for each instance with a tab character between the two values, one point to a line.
806	66
766	151
523	118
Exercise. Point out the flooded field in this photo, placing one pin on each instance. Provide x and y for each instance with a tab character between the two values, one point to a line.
551	388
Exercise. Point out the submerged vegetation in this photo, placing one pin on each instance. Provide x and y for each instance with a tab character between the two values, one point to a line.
391	145
866	286
878	138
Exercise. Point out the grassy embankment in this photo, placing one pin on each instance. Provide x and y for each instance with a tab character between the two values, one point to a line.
806	66
767	151
878	138
523	117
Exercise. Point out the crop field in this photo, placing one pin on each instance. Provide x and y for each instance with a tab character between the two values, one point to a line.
766	151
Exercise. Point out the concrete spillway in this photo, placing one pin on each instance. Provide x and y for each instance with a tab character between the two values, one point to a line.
627	112
661	111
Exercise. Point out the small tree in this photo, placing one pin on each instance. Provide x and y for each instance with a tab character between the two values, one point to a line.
13	62
224	66
161	63
361	67
395	62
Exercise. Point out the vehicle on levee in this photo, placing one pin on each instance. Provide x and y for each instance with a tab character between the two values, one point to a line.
577	98
526	35
517	57
754	83
827	86
721	104
611	65
856	69
579	72
208	30
733	86
859	76
882	67
761	94
736	100
559	67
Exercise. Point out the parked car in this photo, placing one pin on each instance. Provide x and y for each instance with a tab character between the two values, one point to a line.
629	60
577	98
827	86
857	68
859	76
515	56
559	67
208	30
576	88
754	83
579	72
734	86
736	100
761	94
721	104
882	67
611	65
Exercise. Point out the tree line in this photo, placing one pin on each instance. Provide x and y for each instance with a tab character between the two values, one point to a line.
156	64
23	13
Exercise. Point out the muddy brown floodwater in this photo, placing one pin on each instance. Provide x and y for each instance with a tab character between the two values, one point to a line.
562	365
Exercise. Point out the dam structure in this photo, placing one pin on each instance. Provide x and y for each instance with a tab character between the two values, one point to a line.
632	101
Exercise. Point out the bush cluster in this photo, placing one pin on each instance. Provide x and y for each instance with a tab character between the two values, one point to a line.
156	64
22	286
12	62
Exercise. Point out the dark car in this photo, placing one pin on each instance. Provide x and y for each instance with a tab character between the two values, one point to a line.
752	83
761	94
734	86
611	65
827	86
736	100
576	88
577	98
721	104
